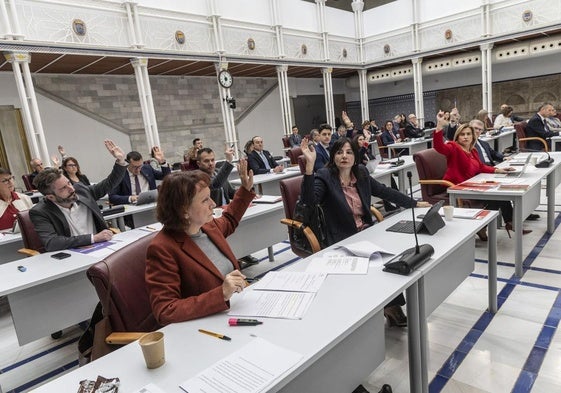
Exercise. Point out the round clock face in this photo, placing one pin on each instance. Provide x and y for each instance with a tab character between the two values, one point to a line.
225	78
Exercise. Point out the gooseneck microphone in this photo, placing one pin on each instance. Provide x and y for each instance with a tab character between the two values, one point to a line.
409	259
543	163
399	160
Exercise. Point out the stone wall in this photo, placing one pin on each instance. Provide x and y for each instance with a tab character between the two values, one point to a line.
186	108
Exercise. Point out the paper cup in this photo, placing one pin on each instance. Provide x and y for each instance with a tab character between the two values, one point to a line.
152	345
448	212
533	160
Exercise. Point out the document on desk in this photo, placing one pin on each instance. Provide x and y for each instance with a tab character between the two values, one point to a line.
338	264
363	248
251	369
271	304
290	282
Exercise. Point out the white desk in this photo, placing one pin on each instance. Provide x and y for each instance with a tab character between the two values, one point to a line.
383	175
268	183
502	140
524	201
141	215
413	146
554	141
9	246
341	337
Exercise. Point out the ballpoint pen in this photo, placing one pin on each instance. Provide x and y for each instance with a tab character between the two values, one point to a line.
217	335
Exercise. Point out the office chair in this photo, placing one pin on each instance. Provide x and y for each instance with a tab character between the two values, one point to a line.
119	283
290	192
286	142
431	167
383	148
293	154
520	128
31	241
27	182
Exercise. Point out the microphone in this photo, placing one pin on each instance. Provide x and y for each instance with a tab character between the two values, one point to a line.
413	257
543	163
399	161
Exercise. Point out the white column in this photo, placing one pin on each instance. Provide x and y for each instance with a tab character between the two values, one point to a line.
358	6
227	112
133	24
415	26
485	18
322	29
30	109
286	109
418	82
276	23
486	77
140	66
328	94
363	85
216	26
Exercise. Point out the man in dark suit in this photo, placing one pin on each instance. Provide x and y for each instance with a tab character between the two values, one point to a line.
412	129
537	127
139	177
295	139
322	147
261	161
487	155
451	128
69	216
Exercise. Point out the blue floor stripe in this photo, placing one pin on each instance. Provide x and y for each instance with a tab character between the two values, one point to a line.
44	377
535	359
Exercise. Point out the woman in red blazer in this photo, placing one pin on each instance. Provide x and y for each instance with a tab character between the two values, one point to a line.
463	163
191	271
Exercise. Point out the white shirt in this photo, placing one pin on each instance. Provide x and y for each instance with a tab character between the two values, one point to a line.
79	218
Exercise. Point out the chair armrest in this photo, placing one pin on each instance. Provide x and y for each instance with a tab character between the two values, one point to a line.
310	235
28	251
377	214
120	338
114	230
445	183
535	138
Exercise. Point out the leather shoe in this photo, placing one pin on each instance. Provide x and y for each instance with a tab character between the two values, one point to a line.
360	389
386	389
533	217
482	234
395	316
250	260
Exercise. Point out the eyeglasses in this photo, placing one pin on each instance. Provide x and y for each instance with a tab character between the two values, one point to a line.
7	180
71	165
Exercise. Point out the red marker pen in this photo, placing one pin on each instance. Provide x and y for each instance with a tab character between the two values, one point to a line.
243	322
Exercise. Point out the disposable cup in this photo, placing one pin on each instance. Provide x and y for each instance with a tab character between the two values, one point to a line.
152	345
448	212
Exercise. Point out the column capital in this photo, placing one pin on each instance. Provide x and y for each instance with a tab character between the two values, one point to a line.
320	2
357	5
221	65
139	62
282	68
17	57
486	46
417	60
327	70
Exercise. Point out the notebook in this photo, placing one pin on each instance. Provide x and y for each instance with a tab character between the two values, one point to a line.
147	197
430	223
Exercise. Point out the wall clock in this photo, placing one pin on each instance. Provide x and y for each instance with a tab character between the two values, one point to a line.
225	78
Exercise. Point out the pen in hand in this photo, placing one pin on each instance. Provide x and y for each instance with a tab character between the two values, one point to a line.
217	335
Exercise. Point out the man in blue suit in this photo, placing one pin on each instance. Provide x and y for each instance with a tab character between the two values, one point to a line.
487	155
139	177
537	126
322	148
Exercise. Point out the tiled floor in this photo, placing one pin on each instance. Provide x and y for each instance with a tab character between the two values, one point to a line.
471	351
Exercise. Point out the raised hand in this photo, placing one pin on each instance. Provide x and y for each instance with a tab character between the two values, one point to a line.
158	154
246	176
55	161
61	151
441	122
115	151
309	152
229	154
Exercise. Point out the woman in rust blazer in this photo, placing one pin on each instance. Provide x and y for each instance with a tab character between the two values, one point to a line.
182	280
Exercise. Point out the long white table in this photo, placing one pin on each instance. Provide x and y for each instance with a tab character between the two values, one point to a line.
52	295
413	146
9	246
341	337
383	174
268	183
524	201
502	140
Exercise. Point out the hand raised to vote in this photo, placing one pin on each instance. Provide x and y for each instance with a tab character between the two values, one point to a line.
158	154
246	176
234	282
441	122
309	152
115	151
61	151
229	154
55	161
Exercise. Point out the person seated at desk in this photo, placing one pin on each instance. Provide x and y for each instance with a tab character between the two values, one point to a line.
10	201
451	126
322	148
463	164
537	126
139	177
486	154
261	161
71	169
412	129
37	166
388	135
191	272
190	155
483	116
344	189
553	122
504	118
221	191
295	139
68	216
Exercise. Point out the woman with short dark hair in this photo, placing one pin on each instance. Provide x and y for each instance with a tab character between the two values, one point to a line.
191	272
10	201
71	169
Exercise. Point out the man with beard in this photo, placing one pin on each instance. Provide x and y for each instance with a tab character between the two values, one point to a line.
69	216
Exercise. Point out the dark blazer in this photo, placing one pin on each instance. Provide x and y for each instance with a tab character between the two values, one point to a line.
51	225
257	165
220	186
535	127
325	189
387	138
295	140
413	132
449	131
121	193
182	281
82	179
494	155
322	157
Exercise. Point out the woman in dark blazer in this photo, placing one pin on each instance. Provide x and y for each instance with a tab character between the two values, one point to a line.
191	272
342	180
